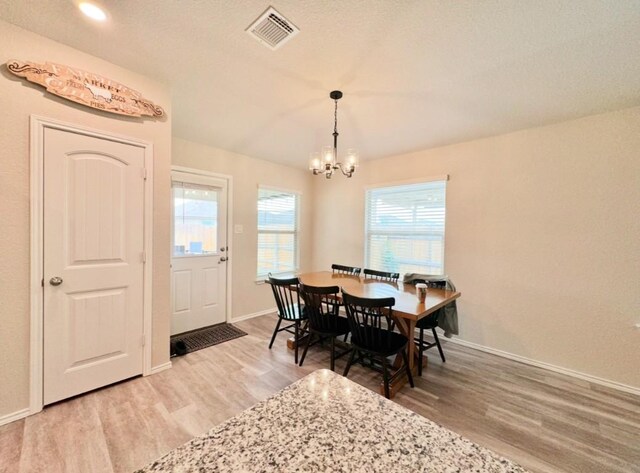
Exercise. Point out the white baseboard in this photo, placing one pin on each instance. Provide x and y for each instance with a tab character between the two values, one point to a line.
541	364
17	415
159	368
251	316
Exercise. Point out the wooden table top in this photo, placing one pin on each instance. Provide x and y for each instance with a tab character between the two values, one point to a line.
407	303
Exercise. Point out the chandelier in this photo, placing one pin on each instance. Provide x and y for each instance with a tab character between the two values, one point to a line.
327	162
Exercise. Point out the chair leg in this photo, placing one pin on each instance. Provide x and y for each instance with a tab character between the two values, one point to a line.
435	335
297	324
333	353
275	332
420	352
406	367
385	377
351	357
304	353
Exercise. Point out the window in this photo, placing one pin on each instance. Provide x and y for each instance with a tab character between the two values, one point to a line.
277	231
405	228
195	219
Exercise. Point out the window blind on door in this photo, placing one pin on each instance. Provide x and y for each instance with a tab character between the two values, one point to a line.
405	228
277	231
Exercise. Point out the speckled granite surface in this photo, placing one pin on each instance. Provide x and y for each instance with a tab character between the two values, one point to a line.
326	423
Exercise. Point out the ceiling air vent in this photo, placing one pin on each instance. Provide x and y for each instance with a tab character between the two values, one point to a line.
272	29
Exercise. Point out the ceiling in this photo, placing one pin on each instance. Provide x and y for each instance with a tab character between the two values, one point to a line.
415	74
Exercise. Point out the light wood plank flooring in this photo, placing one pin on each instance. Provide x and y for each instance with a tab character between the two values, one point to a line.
543	420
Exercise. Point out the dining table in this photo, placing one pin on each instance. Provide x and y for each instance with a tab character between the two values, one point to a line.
407	310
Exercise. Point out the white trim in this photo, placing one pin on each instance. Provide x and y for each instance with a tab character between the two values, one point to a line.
36	272
229	179
162	367
14	416
541	364
406	182
148	265
279	189
255	314
193	178
201	172
36	153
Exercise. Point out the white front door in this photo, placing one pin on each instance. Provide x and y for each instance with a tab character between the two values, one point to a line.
93	262
198	264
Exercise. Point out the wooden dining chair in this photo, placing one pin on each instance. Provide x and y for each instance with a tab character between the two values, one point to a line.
287	295
322	308
429	322
381	275
372	335
340	269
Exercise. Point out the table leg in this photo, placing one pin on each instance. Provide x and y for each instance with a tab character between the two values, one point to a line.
407	328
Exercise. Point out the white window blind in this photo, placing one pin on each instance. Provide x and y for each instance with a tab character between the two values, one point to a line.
405	228
277	231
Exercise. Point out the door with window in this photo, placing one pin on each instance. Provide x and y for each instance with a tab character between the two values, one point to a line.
199	251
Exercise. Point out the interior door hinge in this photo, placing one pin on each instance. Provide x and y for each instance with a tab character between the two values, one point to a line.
143	256
144	340
144	173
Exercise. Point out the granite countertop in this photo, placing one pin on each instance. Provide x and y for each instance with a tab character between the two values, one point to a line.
326	423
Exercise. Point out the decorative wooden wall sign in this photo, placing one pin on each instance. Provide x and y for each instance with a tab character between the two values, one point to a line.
86	88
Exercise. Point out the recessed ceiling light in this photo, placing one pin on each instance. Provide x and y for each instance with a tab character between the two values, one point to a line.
92	11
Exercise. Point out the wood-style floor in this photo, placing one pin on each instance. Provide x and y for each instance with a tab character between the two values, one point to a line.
542	420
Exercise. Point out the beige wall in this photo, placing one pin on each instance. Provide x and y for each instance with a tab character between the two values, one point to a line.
542	224
248	173
18	100
542	238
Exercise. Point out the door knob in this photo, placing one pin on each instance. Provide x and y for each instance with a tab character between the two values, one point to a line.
55	281
223	258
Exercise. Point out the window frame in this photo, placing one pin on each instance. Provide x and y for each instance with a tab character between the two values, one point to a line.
296	232
408	182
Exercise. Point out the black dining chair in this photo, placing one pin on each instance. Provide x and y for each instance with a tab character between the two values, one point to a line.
372	335
340	269
322	307
430	322
381	275
287	295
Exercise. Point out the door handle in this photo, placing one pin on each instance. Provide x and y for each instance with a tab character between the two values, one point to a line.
55	281
223	259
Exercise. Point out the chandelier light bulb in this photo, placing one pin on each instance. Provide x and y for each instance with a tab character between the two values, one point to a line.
314	162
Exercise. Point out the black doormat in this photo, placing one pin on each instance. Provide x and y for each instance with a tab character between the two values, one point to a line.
204	337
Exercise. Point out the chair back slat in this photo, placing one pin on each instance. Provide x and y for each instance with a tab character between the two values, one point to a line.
370	320
322	307
341	269
287	295
381	275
